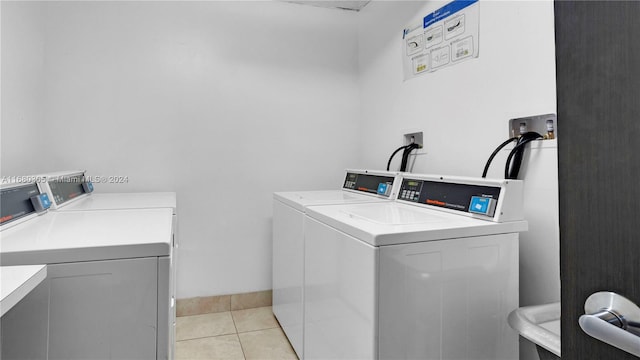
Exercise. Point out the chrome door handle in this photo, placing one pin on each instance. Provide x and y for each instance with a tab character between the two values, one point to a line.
613	319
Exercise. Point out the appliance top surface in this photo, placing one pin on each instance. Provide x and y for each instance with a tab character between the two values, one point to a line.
16	282
302	199
390	223
123	201
59	237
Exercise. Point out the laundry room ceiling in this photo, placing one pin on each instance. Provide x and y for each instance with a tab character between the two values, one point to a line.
354	5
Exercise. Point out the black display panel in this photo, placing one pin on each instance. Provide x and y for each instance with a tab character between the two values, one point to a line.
66	188
368	183
15	203
443	194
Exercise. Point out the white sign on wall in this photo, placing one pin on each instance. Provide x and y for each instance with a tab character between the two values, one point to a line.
445	37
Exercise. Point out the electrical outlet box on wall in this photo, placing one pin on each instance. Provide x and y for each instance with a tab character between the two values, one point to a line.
545	125
415	137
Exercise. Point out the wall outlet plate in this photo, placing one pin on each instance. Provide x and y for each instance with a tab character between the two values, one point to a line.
537	123
417	138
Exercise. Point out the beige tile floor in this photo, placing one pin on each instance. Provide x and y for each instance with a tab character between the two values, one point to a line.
241	334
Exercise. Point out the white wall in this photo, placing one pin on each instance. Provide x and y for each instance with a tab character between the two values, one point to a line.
22	86
222	102
464	110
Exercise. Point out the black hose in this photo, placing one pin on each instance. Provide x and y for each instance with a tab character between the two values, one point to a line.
394	154
511	170
493	155
405	155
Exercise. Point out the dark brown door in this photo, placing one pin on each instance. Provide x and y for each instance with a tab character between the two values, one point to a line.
598	90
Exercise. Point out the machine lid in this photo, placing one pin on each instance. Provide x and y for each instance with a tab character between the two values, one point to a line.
62	237
358	186
299	200
391	223
122	201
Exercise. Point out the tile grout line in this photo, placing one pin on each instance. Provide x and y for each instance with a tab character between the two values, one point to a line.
219	312
237	335
236	331
206	337
250	331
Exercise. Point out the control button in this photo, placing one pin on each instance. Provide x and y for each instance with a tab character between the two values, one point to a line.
482	205
46	203
87	186
383	188
40	202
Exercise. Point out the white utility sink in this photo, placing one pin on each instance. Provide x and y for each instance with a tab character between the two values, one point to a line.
539	324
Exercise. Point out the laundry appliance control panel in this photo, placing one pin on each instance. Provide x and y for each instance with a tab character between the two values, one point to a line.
19	201
62	187
369	183
482	198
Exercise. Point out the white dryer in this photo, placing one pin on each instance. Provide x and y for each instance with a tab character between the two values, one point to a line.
108	273
359	186
432	275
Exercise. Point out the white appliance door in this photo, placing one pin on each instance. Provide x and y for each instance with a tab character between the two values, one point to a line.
103	309
449	299
288	256
340	295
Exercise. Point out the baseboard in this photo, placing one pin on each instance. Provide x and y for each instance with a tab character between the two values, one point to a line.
220	303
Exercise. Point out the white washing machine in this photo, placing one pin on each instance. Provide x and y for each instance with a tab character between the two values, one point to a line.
108	280
432	275
73	191
359	186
